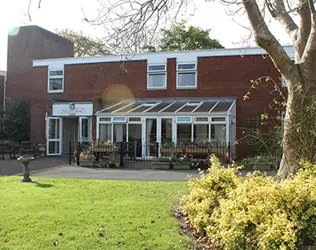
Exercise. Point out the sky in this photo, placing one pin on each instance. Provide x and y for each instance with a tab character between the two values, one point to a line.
69	14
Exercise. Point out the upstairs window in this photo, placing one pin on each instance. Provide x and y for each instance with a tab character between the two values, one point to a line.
157	77
56	81
186	75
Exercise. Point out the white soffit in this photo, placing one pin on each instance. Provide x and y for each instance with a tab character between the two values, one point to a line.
157	57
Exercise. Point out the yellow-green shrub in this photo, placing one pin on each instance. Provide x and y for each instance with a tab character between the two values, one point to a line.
254	212
206	192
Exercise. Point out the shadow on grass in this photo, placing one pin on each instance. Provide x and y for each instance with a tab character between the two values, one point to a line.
41	185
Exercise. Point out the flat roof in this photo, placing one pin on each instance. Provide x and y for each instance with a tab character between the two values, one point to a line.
157	57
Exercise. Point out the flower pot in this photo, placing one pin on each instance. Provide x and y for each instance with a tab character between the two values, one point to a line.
160	165
87	163
261	166
181	166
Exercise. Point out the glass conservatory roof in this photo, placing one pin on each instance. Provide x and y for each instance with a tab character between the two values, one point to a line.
168	106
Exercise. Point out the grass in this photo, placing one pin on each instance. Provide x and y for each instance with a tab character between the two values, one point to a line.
89	214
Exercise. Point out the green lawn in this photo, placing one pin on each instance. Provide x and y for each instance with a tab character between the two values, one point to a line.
90	214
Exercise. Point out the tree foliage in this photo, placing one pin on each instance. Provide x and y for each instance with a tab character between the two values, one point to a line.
178	38
14	121
84	45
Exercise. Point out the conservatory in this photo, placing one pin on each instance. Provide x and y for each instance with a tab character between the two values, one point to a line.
168	121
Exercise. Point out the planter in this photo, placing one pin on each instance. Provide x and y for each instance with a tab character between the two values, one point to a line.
100	149
160	165
183	166
261	166
86	163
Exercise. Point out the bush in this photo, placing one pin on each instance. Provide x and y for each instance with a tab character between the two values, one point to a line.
254	212
206	192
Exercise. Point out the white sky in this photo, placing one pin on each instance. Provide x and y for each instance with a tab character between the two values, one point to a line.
61	14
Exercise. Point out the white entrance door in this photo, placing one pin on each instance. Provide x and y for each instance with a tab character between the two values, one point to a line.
85	129
53	132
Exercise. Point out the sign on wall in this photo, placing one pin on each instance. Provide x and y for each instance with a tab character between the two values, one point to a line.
72	109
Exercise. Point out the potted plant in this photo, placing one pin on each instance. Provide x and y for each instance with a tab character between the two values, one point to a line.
262	162
182	161
161	163
86	159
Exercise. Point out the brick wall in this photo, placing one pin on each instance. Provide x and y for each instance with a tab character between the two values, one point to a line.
103	82
25	45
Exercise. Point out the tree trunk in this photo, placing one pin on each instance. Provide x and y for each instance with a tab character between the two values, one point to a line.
299	135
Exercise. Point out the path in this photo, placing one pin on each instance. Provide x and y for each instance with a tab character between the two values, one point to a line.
115	174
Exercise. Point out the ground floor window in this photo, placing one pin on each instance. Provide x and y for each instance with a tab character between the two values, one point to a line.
166	130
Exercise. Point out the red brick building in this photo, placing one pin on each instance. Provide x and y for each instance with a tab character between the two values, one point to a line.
161	96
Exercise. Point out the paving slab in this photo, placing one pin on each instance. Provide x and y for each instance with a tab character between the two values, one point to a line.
13	167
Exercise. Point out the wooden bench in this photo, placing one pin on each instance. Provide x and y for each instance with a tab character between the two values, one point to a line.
27	148
7	148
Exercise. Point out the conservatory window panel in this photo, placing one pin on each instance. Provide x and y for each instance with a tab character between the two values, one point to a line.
119	132
218	133
105	132
166	130
184	132
201	132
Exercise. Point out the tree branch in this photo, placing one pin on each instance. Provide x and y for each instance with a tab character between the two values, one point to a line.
278	11
266	40
304	30
309	54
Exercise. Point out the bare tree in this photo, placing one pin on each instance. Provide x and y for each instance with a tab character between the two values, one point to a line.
133	21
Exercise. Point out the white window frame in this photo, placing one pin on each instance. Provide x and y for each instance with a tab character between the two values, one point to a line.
218	122
104	117
124	119
157	72
179	71
55	77
201	122
184	122
135	122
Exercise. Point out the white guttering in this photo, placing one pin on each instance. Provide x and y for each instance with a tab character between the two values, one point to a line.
155	57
